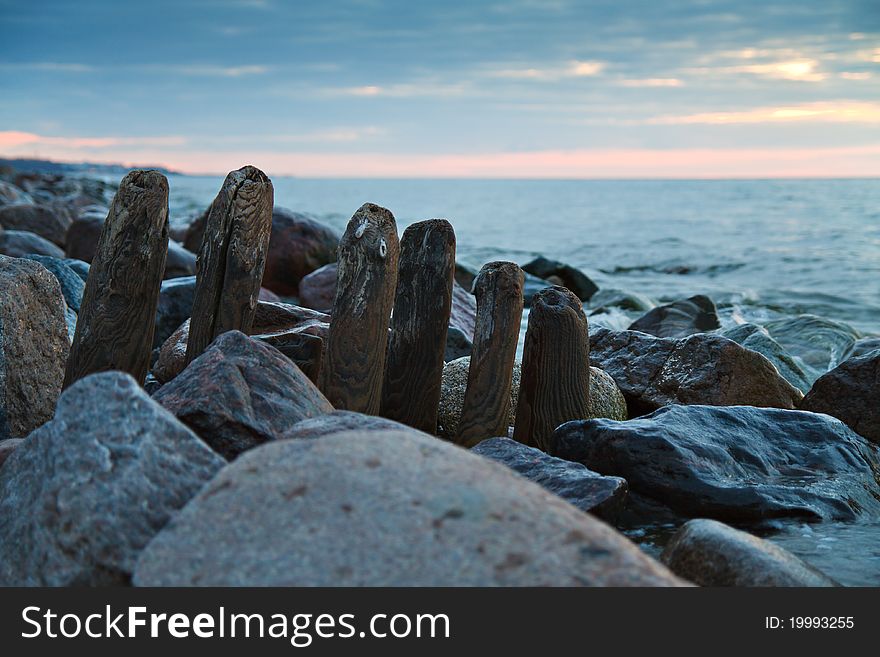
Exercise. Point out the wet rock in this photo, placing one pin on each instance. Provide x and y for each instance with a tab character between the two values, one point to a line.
337	421
179	262
83	235
298	246
385	509
240	393
606	400
819	343
699	369
573	482
733	463
568	276
851	393
759	339
458	345
709	553
317	290
79	267
18	243
33	346
72	285
283	326
174	307
50	223
6	448
83	495
612	298
463	315
680	318
10	194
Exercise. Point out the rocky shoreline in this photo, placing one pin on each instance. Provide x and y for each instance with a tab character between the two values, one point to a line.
252	457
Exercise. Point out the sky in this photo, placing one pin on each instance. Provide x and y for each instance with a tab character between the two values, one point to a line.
451	88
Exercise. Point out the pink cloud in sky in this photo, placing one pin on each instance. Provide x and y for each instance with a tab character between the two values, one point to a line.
861	161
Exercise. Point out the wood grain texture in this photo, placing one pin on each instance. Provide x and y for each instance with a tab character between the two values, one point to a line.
114	328
366	281
555	382
499	291
231	258
414	366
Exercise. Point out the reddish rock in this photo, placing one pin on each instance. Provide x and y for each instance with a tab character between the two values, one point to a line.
464	310
82	237
298	246
318	289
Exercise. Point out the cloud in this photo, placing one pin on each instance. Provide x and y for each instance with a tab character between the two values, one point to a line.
217	71
13	140
571	69
400	90
802	69
52	67
651	82
826	112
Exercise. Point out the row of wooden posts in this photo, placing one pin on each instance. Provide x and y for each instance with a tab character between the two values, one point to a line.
365	369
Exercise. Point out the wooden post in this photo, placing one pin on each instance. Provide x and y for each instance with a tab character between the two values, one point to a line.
114	328
499	291
555	381
414	366
366	280
231	259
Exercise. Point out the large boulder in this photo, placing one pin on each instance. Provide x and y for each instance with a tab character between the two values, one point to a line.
317	290
299	333
82	237
697	314
240	393
709	553
757	338
385	509
18	243
179	262
7	446
10	194
573	482
851	393
699	369
83	495
72	286
565	275
338	421
33	345
298	245
81	268
50	223
174	307
735	463
606	400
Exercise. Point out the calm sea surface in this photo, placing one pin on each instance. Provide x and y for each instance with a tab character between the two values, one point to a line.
763	250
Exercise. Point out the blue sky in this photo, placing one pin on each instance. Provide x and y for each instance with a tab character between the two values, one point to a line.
524	88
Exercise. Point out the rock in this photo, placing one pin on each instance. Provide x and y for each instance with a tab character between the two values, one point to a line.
532	286
819	343
675	320
179	261
850	392
298	246
33	346
757	338
79	267
606	400
240	393
317	290
735	463
573	482
465	275
6	448
699	369
10	194
276	324
864	346
463	314
48	222
83	495
72	285
709	553
385	509
458	345
192	241
18	243
82	236
337	421
612	298
574	279
174	307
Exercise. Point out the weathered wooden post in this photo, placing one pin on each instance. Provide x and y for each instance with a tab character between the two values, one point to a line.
499	291
231	259
414	365
114	328
366	280
555	381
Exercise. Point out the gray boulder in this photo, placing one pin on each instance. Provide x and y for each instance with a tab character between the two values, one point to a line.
72	286
18	243
339	421
83	495
6	448
573	482
709	553
81	268
699	369
562	274
388	509
697	314
757	338
50	223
